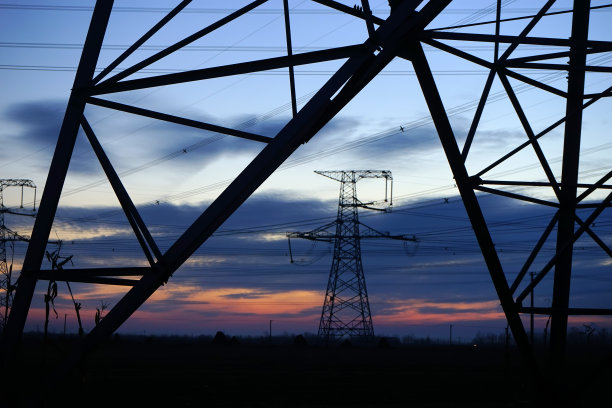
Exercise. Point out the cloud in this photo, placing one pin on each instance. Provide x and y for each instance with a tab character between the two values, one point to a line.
39	125
245	295
40	120
134	143
168	141
433	312
401	143
486	141
422	137
241	276
163	138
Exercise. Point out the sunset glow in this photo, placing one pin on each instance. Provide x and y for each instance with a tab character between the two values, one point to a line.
238	269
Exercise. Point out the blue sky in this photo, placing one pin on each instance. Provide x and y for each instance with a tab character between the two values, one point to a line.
239	281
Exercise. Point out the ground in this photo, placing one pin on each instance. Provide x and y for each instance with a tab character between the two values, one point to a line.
176	371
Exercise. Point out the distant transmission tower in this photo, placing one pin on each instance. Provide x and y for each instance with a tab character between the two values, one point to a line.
7	235
346	308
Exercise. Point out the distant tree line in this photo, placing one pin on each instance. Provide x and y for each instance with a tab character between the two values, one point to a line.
589	335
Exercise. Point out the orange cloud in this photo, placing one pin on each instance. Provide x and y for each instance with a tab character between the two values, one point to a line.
239	300
416	311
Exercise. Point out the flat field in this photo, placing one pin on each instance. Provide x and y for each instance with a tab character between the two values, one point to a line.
139	371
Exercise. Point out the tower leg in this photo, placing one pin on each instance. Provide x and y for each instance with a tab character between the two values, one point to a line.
569	180
56	177
470	201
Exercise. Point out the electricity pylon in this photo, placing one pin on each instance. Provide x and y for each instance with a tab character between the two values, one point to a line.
513	54
346	308
9	236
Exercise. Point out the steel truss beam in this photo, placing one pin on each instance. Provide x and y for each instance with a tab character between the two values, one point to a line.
403	34
569	178
362	65
566	199
445	132
57	175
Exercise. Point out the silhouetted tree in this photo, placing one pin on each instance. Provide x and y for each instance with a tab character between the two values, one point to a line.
220	338
383	343
100	312
300	340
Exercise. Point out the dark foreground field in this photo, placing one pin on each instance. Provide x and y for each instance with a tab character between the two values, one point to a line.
196	372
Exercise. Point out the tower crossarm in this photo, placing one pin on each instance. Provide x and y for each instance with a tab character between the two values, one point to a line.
357	174
325	233
5	210
367	206
16	183
369	232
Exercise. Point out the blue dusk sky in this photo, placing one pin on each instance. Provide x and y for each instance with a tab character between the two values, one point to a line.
242	277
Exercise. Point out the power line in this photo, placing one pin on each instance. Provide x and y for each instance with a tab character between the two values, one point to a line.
476	12
58	68
183	195
200	48
344	148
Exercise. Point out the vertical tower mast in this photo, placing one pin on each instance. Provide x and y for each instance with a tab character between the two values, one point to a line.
346	308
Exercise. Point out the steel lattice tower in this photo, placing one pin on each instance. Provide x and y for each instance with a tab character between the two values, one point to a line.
408	33
9	236
346	308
